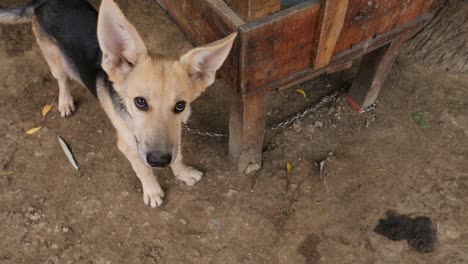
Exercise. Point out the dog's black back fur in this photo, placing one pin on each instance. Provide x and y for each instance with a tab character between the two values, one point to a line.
73	23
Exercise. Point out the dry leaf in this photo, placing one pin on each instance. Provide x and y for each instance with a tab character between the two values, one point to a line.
302	92
322	166
288	167
68	153
46	109
33	130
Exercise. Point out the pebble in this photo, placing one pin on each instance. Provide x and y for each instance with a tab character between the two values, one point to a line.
318	124
252	167
310	129
183	221
196	253
297	127
65	229
231	192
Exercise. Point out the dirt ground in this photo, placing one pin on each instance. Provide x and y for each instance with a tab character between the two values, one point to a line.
375	162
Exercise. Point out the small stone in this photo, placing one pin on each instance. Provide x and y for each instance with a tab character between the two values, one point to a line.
310	129
318	124
196	253
99	131
367	123
35	216
230	192
65	229
210	209
331	110
252	167
183	221
54	246
297	127
215	224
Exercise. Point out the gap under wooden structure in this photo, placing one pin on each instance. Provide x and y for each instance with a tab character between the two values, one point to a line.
277	48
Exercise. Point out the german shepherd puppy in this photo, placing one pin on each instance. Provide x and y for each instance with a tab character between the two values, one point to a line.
146	96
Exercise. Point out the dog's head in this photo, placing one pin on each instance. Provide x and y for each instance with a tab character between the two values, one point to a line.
156	90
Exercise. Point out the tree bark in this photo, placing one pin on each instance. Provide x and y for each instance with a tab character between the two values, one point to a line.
443	42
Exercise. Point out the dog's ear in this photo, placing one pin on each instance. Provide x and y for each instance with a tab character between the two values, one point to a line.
202	63
121	45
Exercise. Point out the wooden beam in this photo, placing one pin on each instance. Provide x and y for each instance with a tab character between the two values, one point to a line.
205	21
341	60
276	46
246	130
254	9
371	74
367	19
332	17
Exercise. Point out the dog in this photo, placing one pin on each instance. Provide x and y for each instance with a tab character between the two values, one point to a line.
146	96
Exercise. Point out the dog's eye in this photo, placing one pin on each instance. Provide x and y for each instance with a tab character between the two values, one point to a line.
179	107
141	103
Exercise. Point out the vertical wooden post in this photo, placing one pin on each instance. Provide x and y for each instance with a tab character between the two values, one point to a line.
246	130
332	17
371	74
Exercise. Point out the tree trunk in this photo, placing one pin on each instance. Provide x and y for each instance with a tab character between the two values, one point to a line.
443	42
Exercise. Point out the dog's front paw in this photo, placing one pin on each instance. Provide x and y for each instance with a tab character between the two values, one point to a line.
66	105
187	174
153	195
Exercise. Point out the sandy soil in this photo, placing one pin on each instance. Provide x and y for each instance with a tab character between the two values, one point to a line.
375	162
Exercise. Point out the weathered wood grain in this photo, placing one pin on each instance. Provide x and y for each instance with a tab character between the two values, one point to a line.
371	74
366	19
332	17
336	64
251	10
205	21
277	46
246	130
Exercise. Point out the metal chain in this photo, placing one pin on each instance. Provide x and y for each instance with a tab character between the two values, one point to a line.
370	107
204	133
325	100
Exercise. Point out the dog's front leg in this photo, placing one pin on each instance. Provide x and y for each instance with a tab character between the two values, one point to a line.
152	192
185	173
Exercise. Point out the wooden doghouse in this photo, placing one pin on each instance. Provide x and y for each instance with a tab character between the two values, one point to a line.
284	42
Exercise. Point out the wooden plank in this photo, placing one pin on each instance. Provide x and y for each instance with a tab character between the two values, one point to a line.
344	57
371	74
332	17
366	19
277	46
246	130
205	21
251	10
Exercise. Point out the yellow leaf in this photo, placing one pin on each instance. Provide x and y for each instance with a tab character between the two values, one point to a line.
302	92
46	109
288	167
33	130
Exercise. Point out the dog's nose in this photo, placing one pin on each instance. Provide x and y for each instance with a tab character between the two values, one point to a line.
160	161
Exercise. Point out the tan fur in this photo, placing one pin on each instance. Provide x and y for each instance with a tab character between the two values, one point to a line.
59	68
160	80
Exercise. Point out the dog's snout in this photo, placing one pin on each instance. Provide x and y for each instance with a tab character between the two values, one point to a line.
159	161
